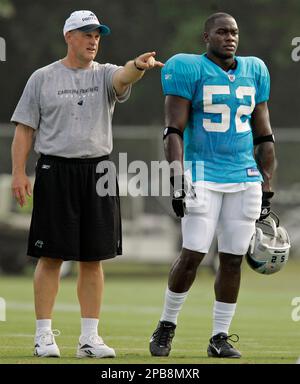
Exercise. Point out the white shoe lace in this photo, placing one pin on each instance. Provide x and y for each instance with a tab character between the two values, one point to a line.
47	338
96	339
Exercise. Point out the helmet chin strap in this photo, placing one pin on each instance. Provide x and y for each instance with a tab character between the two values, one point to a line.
274	227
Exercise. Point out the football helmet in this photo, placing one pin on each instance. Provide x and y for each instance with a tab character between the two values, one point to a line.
269	247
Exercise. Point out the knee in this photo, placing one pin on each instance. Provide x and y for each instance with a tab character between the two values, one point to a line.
91	267
50	264
190	260
231	263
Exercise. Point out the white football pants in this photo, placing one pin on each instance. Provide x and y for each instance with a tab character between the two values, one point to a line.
231	215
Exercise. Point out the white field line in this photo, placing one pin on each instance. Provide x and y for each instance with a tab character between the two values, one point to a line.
66	307
29	335
8	347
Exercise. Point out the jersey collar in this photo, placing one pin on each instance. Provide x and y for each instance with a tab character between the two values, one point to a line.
235	67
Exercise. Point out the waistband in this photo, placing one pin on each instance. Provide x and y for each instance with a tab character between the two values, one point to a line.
74	160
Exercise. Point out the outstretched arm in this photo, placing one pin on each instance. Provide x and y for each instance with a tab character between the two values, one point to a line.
133	71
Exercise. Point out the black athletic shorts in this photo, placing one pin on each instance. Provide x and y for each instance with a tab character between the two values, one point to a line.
70	221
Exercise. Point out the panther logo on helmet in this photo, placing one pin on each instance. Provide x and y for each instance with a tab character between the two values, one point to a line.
269	247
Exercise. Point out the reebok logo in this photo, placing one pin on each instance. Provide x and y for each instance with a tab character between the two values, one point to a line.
89	352
252	172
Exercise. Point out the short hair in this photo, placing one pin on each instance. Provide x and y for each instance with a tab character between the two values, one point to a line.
210	21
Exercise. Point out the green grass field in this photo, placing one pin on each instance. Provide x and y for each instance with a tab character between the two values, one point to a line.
131	309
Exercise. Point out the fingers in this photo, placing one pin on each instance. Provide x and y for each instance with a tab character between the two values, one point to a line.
147	61
20	190
28	189
19	194
145	56
154	63
159	64
151	62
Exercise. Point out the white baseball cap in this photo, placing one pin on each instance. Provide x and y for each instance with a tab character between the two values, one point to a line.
85	21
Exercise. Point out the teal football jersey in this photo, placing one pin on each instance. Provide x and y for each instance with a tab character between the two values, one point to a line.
218	140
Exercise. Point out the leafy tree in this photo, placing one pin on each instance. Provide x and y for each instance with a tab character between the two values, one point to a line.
6	9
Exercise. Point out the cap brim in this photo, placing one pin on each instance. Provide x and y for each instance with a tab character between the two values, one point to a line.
103	29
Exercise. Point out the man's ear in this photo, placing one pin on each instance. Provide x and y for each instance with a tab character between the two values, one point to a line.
205	37
68	36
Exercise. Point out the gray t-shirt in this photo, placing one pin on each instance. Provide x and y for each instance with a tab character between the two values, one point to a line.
71	109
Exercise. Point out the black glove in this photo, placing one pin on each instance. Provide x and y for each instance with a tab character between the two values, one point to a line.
180	190
265	205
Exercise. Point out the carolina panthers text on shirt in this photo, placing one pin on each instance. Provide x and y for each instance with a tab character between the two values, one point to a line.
78	91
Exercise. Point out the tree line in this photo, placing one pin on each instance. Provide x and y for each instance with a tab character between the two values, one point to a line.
32	31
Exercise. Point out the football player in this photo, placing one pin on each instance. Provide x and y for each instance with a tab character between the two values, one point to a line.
218	129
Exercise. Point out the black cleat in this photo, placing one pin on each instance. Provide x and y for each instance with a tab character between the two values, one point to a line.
160	342
219	347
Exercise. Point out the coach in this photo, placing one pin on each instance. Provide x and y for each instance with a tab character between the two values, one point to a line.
69	105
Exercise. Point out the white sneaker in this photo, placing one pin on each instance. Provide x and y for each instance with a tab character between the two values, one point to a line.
45	345
93	346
